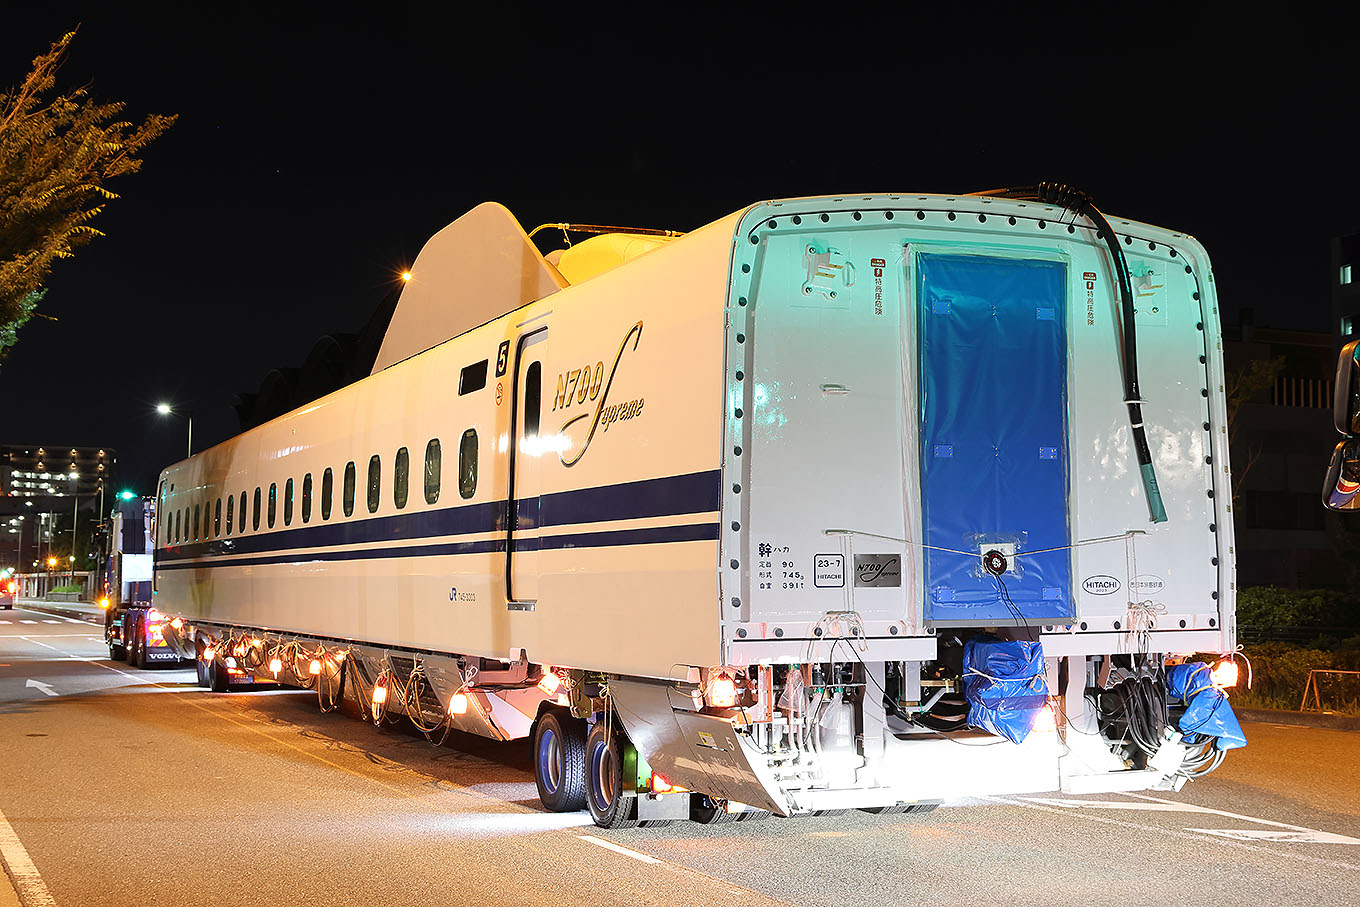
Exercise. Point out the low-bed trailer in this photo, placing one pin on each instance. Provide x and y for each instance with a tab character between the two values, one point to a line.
786	514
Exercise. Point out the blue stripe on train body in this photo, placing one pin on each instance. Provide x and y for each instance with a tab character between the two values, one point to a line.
669	496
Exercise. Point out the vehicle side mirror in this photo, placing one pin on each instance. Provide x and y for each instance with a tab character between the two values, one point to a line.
1343	477
1346	394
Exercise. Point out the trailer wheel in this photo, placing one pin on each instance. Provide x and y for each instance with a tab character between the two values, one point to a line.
921	808
894	810
560	761
217	676
604	778
201	667
117	652
708	811
134	647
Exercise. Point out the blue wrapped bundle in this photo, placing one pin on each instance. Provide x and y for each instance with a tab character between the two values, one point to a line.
1207	712
1004	685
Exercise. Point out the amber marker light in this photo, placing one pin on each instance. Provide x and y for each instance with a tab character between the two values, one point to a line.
458	704
104	603
1044	720
1224	674
550	682
275	665
722	692
176	623
405	276
209	653
315	667
379	694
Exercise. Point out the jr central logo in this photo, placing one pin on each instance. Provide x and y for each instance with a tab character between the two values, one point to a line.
577	386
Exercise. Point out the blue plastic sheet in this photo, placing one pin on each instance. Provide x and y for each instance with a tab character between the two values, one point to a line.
1207	712
1004	685
994	449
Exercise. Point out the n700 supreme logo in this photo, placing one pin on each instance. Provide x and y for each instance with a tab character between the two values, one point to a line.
578	385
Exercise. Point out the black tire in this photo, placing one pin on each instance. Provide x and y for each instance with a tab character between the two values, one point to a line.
560	761
829	813
604	778
134	647
708	811
921	808
895	810
117	652
217	676
201	667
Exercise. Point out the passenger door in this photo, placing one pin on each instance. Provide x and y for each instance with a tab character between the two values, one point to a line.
525	469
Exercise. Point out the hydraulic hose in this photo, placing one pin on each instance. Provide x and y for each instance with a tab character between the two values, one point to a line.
1080	203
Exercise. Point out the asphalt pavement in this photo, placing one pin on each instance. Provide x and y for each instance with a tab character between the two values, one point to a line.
123	786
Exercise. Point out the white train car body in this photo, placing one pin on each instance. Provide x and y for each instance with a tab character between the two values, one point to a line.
785	439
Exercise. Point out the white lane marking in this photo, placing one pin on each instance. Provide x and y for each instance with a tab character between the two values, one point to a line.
38	684
32	889
1272	852
6	621
1228	815
1119	804
72	620
28	621
618	848
51	621
1292	833
1287	837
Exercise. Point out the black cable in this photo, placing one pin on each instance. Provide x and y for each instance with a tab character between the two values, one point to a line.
1079	202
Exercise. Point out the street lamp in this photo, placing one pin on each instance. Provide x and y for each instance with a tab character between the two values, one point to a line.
166	410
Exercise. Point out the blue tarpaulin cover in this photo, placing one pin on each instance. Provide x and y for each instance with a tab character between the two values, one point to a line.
1004	685
994	448
1206	707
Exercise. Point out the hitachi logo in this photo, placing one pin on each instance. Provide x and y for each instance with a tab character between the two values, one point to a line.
1101	585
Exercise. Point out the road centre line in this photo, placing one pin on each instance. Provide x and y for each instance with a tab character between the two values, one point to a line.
1273	853
619	848
27	882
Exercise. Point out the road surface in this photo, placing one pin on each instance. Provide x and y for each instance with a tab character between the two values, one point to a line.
136	787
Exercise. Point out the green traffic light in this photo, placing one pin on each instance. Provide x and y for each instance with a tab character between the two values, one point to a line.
127	495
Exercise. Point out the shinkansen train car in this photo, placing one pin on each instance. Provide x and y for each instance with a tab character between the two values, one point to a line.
846	502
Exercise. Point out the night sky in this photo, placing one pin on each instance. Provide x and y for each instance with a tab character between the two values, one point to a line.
315	153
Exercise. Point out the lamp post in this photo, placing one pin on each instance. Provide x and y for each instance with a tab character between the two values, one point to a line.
166	410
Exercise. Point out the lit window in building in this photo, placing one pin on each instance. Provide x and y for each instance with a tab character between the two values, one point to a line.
1345	275
1347	325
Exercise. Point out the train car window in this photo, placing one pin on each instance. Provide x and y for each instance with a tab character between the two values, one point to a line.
217	519
401	478
255	518
197	510
348	501
230	500
177	514
467	463
327	486
374	483
273	502
472	378
288	503
307	498
241	526
432	471
533	392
